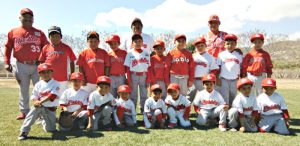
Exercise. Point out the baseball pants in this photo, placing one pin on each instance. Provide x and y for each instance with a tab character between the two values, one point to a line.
234	121
24	73
198	87
139	82
228	90
89	87
257	80
156	116
212	113
174	115
121	116
267	122
102	117
163	87
182	81
49	119
116	81
80	121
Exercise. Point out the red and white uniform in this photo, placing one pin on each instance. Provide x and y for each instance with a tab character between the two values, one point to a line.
137	62
158	72
147	39
74	100
26	44
230	64
129	110
96	100
42	90
204	64
155	110
215	43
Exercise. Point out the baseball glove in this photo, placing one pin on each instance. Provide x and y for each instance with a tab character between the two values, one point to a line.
65	119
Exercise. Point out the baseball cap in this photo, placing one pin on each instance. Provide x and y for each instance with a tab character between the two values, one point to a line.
214	17
26	11
77	76
44	67
54	29
93	34
136	20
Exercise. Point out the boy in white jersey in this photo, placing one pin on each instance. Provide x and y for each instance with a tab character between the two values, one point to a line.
209	103
229	62
45	102
244	108
155	109
74	101
178	107
125	114
204	64
100	105
272	108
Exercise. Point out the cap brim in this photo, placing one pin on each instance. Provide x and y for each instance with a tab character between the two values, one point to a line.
51	31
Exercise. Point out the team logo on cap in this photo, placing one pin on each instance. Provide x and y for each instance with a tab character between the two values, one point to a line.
209	77
270	82
45	66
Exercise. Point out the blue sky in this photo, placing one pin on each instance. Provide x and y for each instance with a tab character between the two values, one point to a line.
186	16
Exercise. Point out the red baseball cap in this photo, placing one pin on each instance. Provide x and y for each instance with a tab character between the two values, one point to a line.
173	86
155	86
124	89
199	40
77	76
178	36
26	11
44	67
159	43
230	37
209	77
93	34
103	79
214	17
113	38
257	36
244	81
268	82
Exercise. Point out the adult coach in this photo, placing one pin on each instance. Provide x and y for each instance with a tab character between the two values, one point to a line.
137	28
26	43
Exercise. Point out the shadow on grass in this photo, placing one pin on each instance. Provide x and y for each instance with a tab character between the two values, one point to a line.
295	122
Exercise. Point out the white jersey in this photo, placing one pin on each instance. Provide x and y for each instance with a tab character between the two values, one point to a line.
151	105
245	105
230	64
96	99
204	64
270	105
179	104
137	62
42	89
206	100
74	100
129	105
148	43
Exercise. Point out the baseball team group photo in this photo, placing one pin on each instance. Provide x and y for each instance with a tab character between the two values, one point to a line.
213	87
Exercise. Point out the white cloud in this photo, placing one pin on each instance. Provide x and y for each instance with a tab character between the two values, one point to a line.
182	16
295	36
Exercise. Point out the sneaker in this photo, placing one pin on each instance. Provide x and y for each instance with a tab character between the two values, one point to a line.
222	128
23	136
21	116
233	130
171	125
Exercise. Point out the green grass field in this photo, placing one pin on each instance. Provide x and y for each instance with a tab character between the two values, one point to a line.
141	136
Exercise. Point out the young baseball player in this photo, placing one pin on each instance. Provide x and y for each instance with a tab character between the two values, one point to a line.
244	108
257	64
178	107
158	66
59	55
45	102
93	62
180	67
155	109
229	62
100	105
204	64
138	64
74	101
125	114
117	68
273	110
209	103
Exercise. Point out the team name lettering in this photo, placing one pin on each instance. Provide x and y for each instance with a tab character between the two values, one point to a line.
248	109
136	62
75	102
90	60
232	60
27	40
201	64
205	102
180	59
272	107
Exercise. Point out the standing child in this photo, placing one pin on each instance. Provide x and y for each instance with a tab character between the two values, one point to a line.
45	102
74	101
244	108
100	105
59	55
117	68
158	66
137	64
209	103
257	64
93	62
229	62
125	113
178	107
180	67
272	108
155	108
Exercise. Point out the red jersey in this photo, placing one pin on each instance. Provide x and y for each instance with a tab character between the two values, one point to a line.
257	62
157	67
215	43
93	63
26	43
179	63
58	56
117	59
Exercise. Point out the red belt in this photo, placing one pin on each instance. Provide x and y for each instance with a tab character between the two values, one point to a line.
34	62
258	74
198	78
138	73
